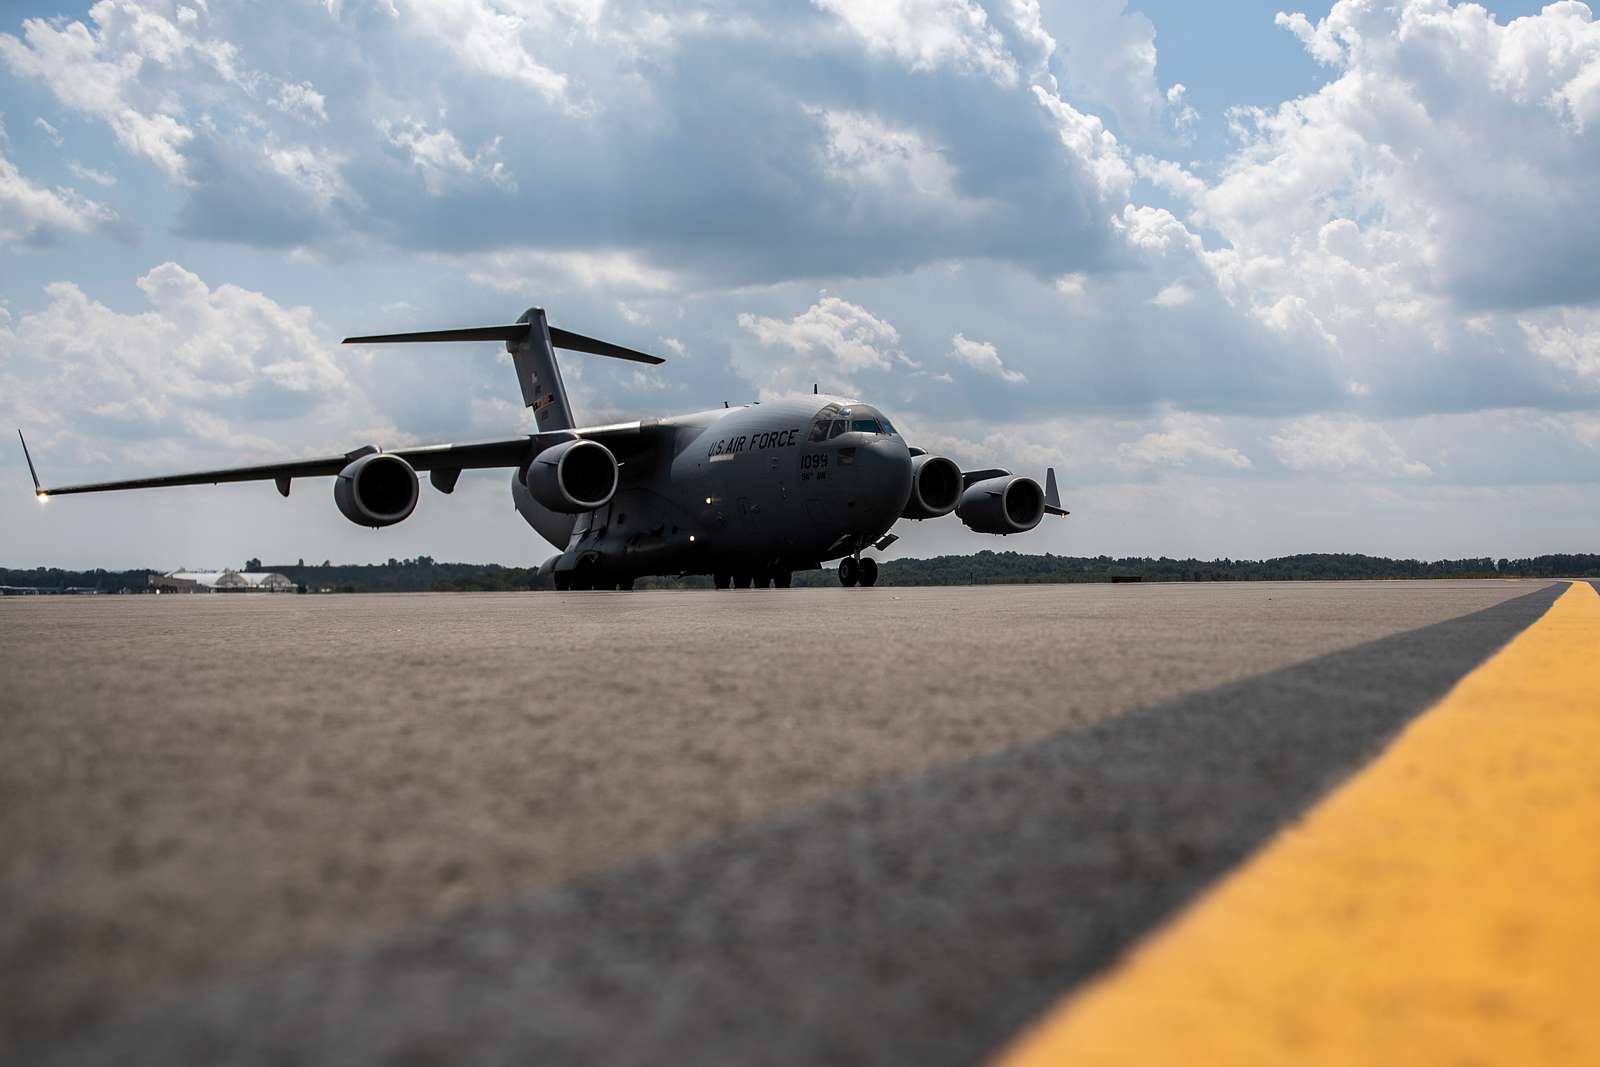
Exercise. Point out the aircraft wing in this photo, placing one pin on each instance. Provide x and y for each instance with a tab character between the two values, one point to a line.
1052	495
971	478
627	440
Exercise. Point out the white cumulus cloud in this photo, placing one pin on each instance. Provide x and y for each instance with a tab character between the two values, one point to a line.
196	355
49	131
927	34
1407	218
442	161
984	358
527	271
1184	439
31	213
98	73
1343	445
1110	57
1173	296
491	37
831	343
889	169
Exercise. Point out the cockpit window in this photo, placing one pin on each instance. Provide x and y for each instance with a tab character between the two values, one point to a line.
835	419
822	422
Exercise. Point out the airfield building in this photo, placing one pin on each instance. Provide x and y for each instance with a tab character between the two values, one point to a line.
221	582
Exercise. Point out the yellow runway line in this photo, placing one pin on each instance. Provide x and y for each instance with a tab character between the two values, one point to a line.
1443	907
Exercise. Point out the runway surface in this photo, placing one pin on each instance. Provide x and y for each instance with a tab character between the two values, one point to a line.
788	826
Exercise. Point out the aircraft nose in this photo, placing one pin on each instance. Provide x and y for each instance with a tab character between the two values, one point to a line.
885	470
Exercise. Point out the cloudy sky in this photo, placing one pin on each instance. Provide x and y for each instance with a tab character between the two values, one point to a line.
1255	279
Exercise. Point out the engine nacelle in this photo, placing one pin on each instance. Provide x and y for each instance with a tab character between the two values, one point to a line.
376	490
573	477
1004	505
935	488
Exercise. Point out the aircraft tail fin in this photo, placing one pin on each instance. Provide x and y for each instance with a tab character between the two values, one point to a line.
1052	495
532	343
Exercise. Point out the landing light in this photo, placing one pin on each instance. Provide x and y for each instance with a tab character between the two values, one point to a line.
44	498
691	539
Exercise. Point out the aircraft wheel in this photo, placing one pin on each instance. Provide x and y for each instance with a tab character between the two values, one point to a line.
625	584
581	583
849	572
721	581
741	581
869	572
782	579
563	582
762	580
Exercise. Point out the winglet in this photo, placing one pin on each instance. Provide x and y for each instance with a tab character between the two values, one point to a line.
38	490
1052	496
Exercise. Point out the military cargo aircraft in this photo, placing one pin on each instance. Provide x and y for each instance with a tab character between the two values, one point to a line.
746	494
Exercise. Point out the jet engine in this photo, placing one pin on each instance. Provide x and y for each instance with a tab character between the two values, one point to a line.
1004	505
376	490
572	477
935	488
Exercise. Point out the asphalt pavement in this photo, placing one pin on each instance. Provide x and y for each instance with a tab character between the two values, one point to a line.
788	826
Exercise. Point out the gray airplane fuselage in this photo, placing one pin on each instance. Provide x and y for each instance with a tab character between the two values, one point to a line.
746	489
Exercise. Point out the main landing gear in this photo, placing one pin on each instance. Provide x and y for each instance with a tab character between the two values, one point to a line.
858	570
584	579
758	580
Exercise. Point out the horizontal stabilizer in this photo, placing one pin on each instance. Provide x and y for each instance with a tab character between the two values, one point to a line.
516	331
576	342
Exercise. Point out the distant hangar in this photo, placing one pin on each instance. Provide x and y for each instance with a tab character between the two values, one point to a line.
221	582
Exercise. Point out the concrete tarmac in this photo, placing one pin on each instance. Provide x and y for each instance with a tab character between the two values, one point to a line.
228	813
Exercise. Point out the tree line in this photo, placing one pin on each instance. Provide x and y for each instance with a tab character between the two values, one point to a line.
424	574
